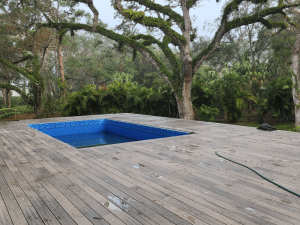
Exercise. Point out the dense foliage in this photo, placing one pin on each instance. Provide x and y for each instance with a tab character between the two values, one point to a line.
121	98
280	99
7	112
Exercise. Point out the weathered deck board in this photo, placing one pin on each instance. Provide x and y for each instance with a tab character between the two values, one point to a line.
45	181
72	211
73	198
45	214
4	215
99	181
51	202
26	206
165	174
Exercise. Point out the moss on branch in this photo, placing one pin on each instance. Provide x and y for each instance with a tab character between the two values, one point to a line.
255	18
26	73
26	98
32	74
203	53
149	21
159	8
191	3
149	40
259	17
175	78
234	5
61	35
27	57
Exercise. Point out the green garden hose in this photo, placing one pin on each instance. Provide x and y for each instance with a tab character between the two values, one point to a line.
259	175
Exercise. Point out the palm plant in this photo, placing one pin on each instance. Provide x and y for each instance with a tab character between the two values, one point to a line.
82	102
280	98
234	94
122	97
138	96
166	104
117	96
255	76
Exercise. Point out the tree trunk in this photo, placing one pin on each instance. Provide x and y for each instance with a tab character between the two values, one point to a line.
71	86
296	79
4	96
61	68
52	88
185	105
8	100
38	100
250	106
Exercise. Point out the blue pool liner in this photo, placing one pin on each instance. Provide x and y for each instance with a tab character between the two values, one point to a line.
124	129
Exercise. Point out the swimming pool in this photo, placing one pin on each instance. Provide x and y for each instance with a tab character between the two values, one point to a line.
88	133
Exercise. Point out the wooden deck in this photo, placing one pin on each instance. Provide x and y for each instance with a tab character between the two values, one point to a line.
177	180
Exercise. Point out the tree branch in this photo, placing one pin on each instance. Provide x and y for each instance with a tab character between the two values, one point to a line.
258	17
23	59
24	72
94	10
129	41
26	98
140	18
229	25
148	40
213	46
159	8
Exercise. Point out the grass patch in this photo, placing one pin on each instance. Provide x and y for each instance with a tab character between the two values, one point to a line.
290	126
249	120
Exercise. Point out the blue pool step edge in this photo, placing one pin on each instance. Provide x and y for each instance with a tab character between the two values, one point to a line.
40	126
86	133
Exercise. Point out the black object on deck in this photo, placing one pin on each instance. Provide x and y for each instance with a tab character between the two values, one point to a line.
266	127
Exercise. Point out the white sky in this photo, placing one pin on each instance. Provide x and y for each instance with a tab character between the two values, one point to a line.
209	10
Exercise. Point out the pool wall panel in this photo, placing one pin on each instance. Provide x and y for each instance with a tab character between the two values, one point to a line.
129	130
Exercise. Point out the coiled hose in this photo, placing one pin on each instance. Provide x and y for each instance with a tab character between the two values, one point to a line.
259	175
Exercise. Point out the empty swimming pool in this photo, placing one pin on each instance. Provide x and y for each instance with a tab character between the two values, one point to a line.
88	133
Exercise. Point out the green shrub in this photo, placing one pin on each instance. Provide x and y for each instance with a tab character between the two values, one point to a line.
202	94
17	100
122	98
206	113
280	98
233	95
7	112
50	106
296	129
262	107
85	102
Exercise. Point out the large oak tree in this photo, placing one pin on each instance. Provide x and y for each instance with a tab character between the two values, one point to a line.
180	77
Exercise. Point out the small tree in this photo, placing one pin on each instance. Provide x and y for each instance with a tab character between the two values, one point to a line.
180	77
